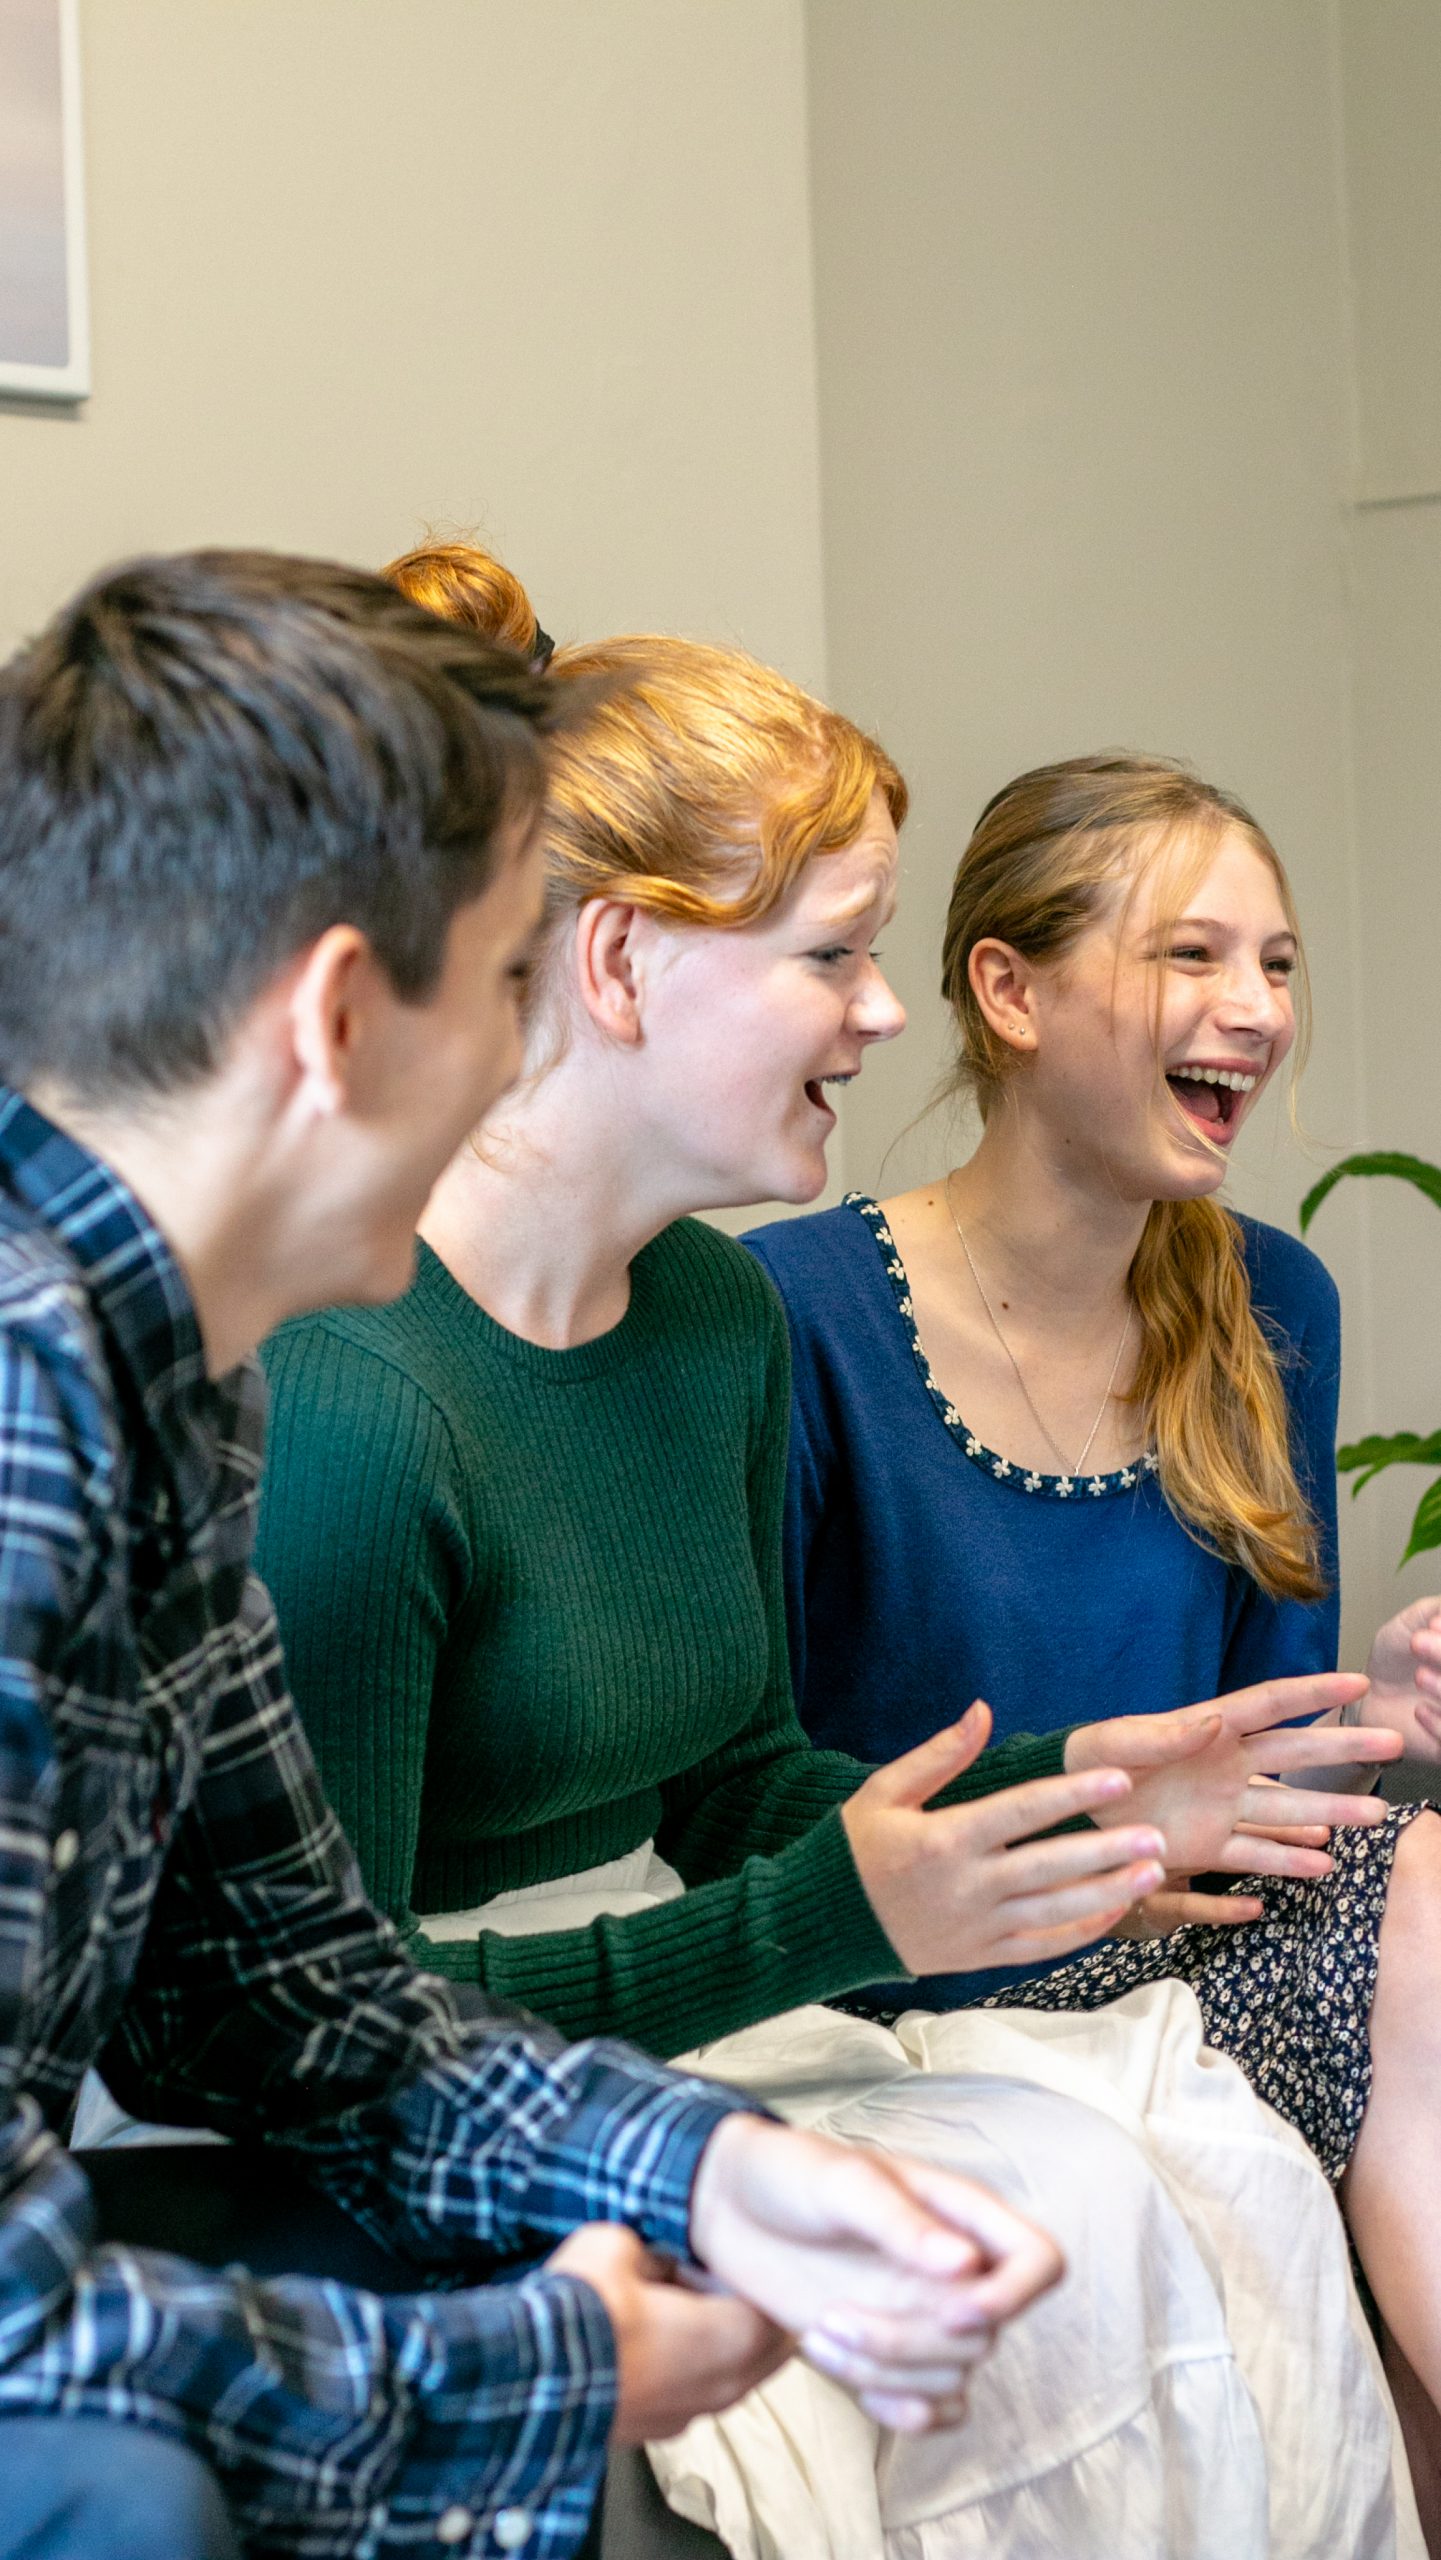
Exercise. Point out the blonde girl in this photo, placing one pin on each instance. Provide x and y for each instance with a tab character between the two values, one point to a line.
1063	1434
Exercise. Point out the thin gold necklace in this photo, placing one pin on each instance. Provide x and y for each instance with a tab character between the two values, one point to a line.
1037	1417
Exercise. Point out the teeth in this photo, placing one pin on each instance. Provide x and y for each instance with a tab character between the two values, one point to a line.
1235	1083
850	1079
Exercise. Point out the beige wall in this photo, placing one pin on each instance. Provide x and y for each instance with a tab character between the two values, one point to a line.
358	265
1086	414
1025	361
1391	68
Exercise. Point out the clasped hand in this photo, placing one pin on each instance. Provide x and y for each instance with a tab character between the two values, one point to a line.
892	2276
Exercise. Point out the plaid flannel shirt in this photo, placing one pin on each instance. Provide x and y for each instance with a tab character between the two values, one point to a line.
177	1902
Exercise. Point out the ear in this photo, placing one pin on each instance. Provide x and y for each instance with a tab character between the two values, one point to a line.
1005	989
610	975
331	1003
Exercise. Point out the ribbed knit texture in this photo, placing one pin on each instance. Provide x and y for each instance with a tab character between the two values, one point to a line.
532	1607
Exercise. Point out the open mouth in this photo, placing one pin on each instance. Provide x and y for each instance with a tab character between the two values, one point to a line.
816	1090
1213	1097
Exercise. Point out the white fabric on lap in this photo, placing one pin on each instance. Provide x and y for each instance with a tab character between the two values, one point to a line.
1202	2386
620	1886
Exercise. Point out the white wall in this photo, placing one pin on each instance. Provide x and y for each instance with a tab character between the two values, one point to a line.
359	265
1391	71
1086	415
1003	354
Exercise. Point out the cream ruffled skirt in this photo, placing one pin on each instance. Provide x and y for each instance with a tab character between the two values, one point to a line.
1201	2386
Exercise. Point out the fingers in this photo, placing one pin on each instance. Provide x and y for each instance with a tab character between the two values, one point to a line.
1017	1813
1150	1742
1189	1910
1271	1702
1300	1807
1298	1835
1047	1946
907	2416
1320	1747
878	2201
605	2253
1024	2260
686	2355
920	1774
1273	1858
1081	1902
1042	1866
1426	1648
887	2357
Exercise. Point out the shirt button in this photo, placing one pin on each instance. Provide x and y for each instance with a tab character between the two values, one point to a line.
65	1851
456	2524
512	2527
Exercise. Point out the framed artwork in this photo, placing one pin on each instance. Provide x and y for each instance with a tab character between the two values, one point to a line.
44	318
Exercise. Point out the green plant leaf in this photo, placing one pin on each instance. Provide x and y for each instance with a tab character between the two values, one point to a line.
1426	1527
1427	1178
1387	1449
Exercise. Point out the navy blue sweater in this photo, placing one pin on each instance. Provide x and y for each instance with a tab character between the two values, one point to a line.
922	1570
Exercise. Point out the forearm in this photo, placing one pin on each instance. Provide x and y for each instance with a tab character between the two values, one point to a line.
758	1806
780	1932
314	2403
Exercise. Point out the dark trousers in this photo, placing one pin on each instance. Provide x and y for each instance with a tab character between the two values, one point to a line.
88	2489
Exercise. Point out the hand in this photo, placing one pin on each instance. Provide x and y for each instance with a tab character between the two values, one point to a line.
894	2275
1405	1675
1197	1774
1177	1906
680	2353
951	1889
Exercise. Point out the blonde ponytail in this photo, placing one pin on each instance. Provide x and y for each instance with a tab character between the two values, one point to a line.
1211	1394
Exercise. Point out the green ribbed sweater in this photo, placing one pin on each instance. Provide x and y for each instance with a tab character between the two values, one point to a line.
532	1608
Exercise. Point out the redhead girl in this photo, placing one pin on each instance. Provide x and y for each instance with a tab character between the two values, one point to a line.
524	1531
1063	1436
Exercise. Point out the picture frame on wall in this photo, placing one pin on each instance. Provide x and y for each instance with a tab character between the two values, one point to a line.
44	311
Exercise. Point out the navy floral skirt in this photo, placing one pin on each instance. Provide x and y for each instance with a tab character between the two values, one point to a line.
1287	1996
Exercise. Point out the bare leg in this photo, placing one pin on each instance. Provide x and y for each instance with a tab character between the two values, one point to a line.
1418	2431
1391	2187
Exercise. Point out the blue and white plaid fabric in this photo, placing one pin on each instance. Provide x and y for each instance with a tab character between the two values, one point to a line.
177	1903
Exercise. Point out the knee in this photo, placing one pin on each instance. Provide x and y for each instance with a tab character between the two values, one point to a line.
1411	1928
131	2495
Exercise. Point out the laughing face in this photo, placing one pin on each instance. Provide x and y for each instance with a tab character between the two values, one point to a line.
1212	987
749	1031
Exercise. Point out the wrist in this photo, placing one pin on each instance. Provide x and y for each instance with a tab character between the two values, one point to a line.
717	2173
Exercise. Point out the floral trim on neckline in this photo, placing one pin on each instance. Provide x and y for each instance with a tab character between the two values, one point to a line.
1004	1470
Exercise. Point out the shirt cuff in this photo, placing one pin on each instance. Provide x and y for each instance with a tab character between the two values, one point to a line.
516	2402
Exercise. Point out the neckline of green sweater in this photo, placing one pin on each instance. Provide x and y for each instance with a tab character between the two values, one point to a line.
437	1290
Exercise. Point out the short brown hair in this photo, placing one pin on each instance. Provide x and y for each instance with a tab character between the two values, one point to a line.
207	760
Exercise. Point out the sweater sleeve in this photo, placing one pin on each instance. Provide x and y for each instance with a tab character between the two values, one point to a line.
362	1548
776	1913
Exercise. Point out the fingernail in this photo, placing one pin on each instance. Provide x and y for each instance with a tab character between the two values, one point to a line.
1148	1877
